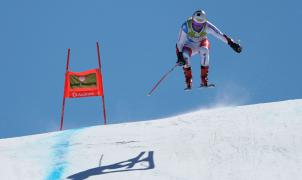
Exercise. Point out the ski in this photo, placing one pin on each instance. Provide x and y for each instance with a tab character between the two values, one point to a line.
210	86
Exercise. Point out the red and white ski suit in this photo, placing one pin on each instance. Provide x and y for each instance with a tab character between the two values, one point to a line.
192	43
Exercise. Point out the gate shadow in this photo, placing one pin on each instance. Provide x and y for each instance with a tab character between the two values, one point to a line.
114	168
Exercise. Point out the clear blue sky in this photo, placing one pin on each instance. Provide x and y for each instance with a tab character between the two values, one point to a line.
137	41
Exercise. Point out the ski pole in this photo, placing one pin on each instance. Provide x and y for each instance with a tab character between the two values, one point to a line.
164	76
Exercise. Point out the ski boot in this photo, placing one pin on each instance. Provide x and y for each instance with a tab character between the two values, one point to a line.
188	77
204	77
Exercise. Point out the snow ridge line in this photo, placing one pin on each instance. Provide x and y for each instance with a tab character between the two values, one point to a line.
59	154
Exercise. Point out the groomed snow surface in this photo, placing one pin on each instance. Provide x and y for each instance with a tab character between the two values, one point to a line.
254	142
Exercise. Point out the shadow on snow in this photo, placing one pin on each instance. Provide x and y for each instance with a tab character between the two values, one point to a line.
123	166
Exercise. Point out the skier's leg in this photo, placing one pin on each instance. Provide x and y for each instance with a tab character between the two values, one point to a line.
187	52
188	77
187	67
204	61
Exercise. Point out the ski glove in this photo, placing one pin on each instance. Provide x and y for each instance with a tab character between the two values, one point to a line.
180	59
235	46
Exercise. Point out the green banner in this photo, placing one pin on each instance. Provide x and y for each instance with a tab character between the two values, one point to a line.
85	81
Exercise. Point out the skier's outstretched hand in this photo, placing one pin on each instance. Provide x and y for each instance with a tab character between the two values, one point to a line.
235	46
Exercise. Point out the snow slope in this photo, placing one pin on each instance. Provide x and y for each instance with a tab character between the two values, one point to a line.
254	142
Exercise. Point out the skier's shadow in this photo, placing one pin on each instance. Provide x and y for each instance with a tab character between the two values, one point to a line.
118	167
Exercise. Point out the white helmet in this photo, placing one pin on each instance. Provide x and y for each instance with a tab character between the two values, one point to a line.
199	17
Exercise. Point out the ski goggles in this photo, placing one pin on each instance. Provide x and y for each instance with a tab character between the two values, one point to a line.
197	24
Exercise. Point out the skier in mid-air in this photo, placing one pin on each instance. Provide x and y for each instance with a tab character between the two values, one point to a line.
193	40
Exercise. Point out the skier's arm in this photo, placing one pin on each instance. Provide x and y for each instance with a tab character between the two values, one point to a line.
182	38
213	30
